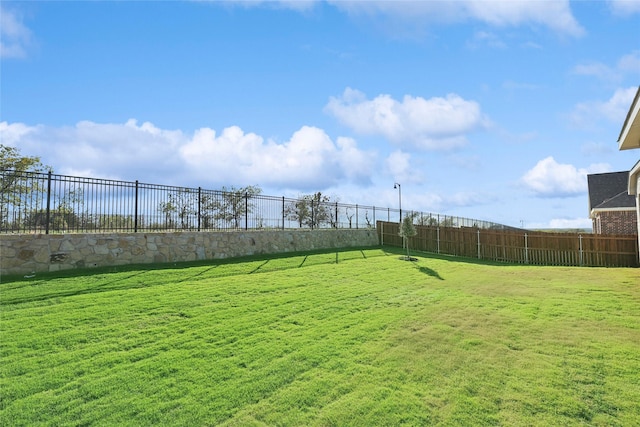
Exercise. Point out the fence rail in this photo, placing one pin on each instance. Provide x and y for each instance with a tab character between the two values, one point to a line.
50	203
525	247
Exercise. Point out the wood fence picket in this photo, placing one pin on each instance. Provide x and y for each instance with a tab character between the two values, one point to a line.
524	247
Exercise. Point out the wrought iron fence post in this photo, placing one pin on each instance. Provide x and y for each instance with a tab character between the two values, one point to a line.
246	210
283	212
336	223
312	212
48	214
135	211
199	206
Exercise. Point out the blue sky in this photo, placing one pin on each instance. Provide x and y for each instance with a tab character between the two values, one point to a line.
481	109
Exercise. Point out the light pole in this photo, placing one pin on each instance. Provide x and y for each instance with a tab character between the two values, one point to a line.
396	185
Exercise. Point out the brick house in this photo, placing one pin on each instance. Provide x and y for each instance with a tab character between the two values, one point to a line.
611	209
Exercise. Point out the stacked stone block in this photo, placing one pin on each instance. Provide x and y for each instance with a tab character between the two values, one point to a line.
33	253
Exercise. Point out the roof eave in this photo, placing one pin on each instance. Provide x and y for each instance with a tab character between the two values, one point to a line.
630	134
596	211
634	178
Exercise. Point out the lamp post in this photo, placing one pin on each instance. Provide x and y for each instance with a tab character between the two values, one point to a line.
396	185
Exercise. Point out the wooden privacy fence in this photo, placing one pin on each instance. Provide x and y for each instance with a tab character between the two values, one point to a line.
524	247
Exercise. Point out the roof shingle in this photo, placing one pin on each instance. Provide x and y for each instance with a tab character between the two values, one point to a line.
609	190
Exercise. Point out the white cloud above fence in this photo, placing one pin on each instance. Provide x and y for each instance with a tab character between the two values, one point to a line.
414	122
548	178
309	160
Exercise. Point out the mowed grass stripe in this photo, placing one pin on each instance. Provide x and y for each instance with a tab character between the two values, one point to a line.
240	304
303	340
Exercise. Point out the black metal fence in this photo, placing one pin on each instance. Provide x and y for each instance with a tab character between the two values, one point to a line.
34	202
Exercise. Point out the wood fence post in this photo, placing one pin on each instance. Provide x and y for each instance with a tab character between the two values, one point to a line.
581	256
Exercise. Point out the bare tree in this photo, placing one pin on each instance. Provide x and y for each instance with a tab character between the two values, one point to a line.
367	219
349	216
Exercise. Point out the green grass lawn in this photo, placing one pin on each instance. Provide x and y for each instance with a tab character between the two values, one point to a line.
344	338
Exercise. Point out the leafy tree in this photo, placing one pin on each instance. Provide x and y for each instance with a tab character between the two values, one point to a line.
114	221
16	185
181	204
407	230
427	220
299	211
312	210
64	216
447	222
233	204
13	166
207	210
10	158
168	209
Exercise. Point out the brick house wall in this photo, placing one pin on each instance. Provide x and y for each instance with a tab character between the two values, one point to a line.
615	222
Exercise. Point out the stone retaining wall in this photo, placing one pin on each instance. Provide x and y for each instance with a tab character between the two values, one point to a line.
36	253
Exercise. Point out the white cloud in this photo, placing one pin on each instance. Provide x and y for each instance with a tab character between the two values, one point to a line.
356	164
398	165
15	37
106	150
614	109
297	5
549	178
484	38
554	14
435	123
468	198
403	17
597	149
628	64
625	7
309	160
10	134
596	69
570	223
560	223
